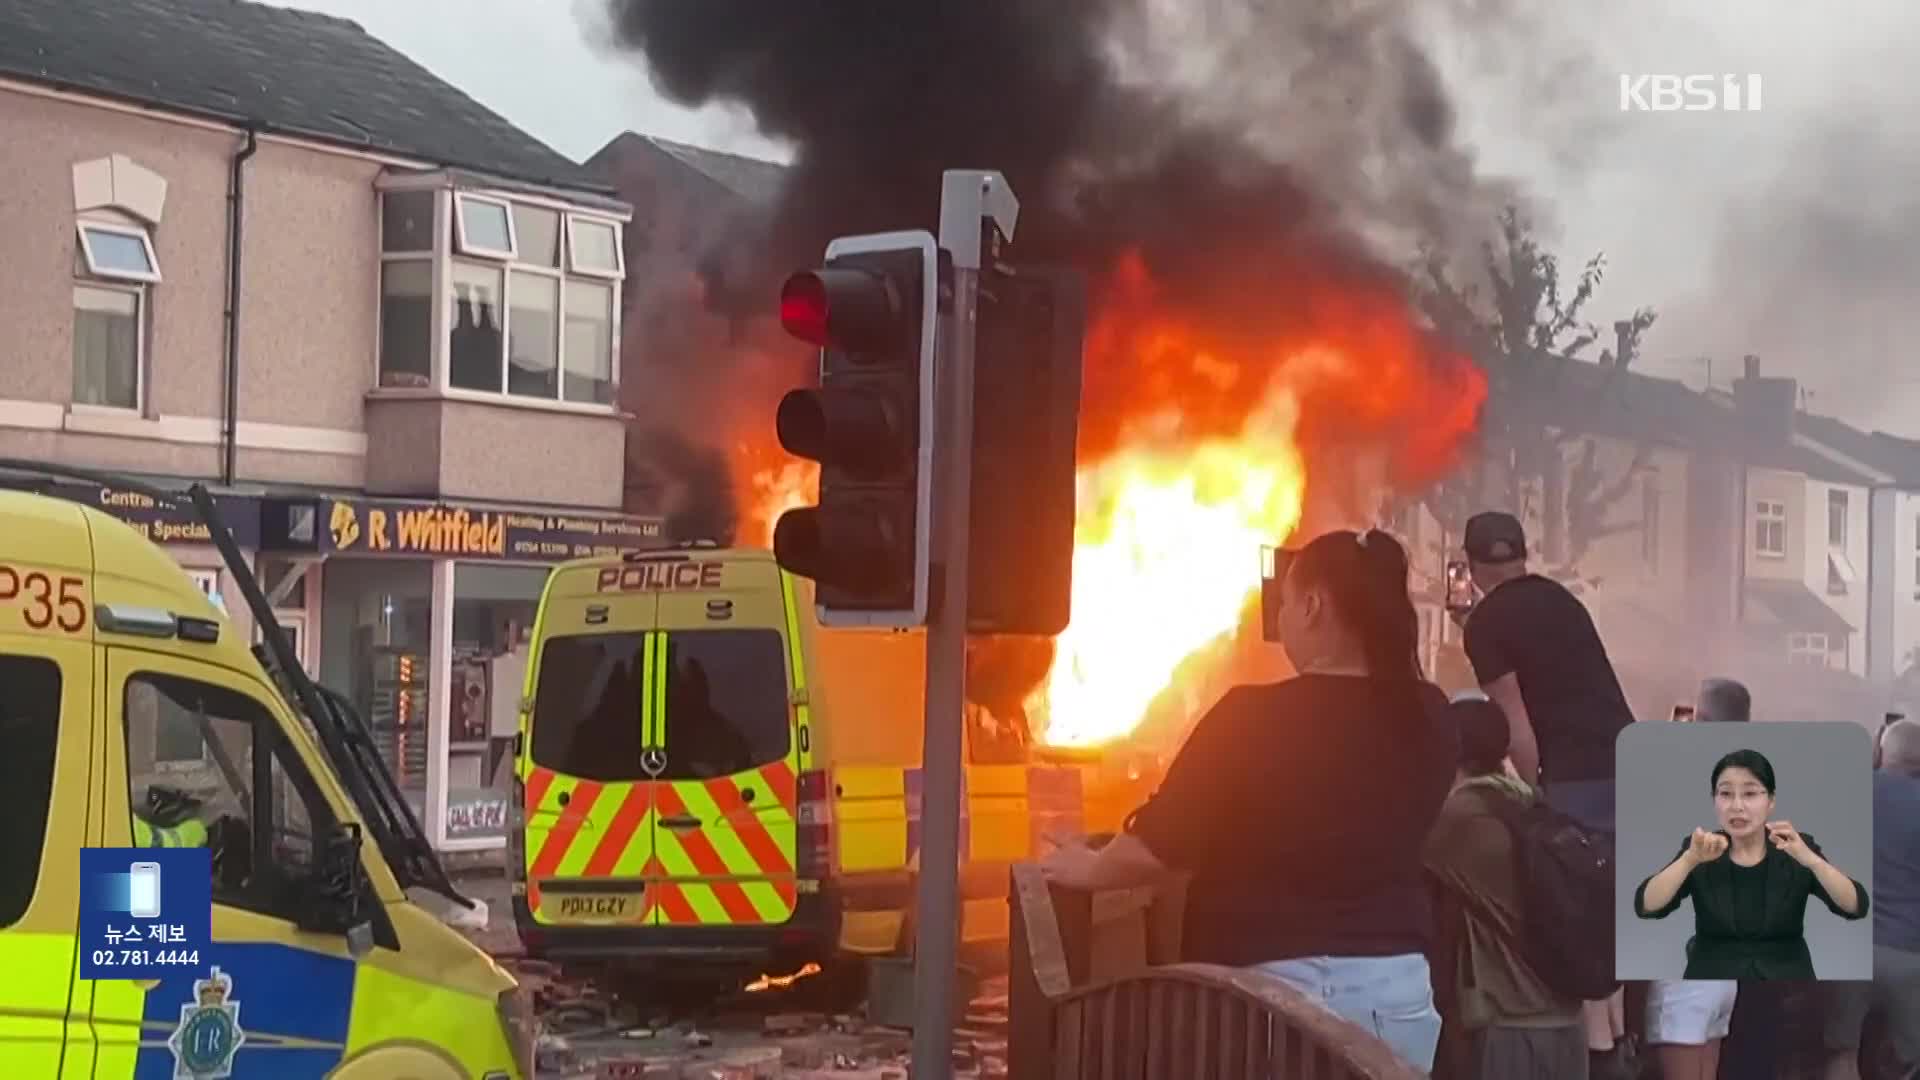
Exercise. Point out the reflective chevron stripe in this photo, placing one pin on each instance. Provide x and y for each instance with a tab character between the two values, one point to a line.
736	867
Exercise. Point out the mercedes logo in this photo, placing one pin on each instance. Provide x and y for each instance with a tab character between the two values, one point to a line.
654	762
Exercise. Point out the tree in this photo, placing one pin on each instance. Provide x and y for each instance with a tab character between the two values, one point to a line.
1532	341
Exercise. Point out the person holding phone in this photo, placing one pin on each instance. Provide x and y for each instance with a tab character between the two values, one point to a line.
1749	881
1299	809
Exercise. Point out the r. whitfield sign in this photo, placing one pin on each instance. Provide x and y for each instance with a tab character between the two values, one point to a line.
383	527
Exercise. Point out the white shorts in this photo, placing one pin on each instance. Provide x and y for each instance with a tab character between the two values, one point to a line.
1689	1012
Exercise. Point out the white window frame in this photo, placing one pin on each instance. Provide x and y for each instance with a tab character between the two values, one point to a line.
1916	557
139	294
449	245
559	279
1770	512
1809	648
95	270
504	271
1839	499
461	199
613	344
619	271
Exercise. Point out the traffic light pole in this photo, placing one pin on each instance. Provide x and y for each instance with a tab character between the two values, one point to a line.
973	206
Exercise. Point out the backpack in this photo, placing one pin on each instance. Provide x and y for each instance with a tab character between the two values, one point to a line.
1565	875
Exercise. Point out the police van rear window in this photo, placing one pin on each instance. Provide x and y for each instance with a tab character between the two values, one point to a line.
726	698
724	694
29	729
586	706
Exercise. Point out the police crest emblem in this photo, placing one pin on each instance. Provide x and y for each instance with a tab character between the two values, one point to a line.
208	1034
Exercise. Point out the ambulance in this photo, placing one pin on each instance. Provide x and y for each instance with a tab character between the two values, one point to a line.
711	785
319	963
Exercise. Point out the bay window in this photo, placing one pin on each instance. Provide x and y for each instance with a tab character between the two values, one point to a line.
528	294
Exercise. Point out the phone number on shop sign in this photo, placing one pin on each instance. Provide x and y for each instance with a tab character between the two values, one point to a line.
144	958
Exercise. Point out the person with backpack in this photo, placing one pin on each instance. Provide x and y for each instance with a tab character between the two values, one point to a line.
1536	652
1509	1000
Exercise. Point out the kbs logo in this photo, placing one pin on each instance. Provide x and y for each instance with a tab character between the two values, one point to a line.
1689	93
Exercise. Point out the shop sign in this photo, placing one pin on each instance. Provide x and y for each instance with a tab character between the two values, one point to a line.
440	530
170	522
476	813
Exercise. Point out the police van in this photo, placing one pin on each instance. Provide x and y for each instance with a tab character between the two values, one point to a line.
318	964
710	784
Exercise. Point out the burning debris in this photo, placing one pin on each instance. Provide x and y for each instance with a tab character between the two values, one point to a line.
781	982
1253	363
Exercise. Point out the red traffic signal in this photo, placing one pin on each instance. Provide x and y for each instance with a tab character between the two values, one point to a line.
842	308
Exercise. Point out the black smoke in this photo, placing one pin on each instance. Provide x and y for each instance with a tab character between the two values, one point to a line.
1061	97
1265	162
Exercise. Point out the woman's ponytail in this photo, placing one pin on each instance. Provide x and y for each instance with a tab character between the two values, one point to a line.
1388	625
1365	574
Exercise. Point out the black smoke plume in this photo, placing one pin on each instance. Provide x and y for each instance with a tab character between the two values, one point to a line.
1264	162
1062	97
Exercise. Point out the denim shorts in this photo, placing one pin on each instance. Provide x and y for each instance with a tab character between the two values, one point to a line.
1683	1012
1389	996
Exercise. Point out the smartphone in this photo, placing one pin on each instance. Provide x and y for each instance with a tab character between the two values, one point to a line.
143	890
1274	564
1459	587
1682	714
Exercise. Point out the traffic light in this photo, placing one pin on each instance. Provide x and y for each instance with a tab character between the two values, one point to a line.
1028	340
872	311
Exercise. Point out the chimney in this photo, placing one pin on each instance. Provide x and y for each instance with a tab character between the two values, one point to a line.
1766	406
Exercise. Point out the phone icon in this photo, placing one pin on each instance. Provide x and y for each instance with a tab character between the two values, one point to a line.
1459	587
1683	714
143	890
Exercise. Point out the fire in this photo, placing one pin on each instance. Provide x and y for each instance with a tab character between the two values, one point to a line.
1165	560
1196	451
781	982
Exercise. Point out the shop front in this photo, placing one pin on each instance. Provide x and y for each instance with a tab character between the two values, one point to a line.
174	526
424	622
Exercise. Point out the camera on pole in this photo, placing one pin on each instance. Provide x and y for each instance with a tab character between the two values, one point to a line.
872	310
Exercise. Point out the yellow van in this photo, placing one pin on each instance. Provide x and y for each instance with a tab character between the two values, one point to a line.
319	964
712	785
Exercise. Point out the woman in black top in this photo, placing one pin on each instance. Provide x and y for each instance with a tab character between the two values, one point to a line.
1300	808
1749	882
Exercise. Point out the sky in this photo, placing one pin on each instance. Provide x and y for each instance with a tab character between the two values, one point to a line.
1790	232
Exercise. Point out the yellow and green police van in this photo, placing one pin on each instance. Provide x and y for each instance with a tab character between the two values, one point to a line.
319	963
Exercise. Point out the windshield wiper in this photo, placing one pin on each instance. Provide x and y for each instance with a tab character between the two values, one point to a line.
342	734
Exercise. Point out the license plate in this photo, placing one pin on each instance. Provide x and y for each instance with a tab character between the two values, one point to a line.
595	907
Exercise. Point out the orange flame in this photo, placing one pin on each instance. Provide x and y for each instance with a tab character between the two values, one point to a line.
1194	456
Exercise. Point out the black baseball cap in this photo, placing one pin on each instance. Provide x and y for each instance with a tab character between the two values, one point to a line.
1494	536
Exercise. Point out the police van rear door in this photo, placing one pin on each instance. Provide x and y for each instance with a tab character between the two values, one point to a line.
725	805
588	833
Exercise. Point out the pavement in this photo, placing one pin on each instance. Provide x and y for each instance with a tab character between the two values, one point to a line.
583	1030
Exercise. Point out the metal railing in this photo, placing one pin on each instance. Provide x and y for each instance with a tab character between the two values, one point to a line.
1094	994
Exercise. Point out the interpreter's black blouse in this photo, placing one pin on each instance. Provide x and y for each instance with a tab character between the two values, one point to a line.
1749	921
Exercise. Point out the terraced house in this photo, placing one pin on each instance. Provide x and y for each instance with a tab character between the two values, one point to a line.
379	319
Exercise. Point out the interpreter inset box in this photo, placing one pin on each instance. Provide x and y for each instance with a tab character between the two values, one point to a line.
1744	851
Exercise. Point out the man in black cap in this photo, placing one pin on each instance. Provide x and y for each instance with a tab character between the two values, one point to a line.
1537	654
